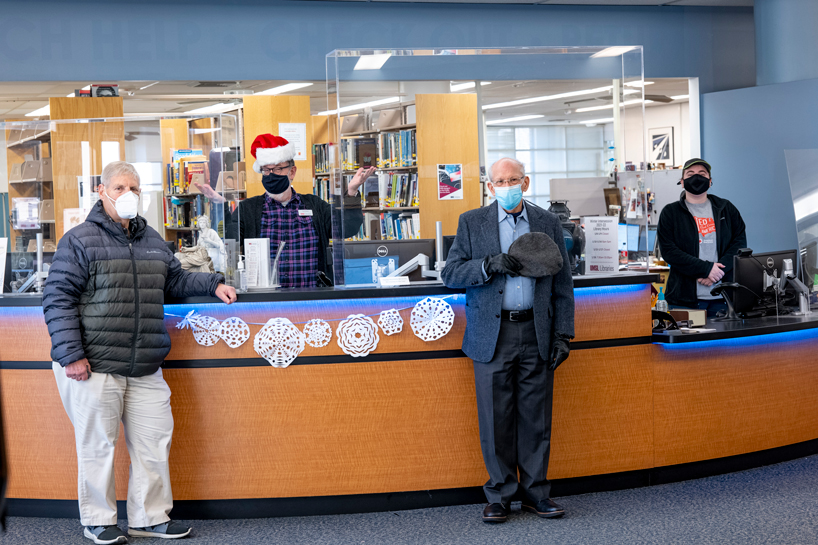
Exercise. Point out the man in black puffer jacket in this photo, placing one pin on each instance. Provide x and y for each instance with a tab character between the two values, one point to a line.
104	307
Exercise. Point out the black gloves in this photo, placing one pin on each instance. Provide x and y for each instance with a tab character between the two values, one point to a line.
502	264
559	351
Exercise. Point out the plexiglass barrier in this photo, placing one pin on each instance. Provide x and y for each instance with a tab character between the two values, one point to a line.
431	122
191	180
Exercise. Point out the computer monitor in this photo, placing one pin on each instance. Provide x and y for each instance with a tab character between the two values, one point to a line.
652	238
749	272
358	256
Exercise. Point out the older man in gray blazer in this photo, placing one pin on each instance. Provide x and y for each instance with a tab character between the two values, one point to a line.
517	332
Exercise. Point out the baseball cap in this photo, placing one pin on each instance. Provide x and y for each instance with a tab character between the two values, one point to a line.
696	161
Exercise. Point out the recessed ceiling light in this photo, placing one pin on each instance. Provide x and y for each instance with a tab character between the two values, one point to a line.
372	62
511	119
454	87
614	51
214	109
284	88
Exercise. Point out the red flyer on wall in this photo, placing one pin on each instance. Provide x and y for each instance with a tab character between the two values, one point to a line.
449	182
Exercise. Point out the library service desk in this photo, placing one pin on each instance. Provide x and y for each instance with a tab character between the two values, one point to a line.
398	428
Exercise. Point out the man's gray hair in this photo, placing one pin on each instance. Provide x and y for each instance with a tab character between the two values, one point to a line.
511	160
116	169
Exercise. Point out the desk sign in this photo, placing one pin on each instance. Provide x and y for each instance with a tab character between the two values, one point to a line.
389	281
601	245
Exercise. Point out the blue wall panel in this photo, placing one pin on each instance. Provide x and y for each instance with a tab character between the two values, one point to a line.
744	135
213	40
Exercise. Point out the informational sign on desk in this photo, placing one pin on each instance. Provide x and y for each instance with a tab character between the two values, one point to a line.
601	245
296	133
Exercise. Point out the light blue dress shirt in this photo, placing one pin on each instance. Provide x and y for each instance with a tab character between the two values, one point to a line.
519	292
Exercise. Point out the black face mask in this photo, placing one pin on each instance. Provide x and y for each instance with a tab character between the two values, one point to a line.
696	184
275	183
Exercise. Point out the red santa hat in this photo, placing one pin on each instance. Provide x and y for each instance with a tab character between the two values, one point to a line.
269	149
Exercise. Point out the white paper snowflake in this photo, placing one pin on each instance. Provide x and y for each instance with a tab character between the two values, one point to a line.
234	332
390	321
431	319
279	342
357	335
318	333
205	330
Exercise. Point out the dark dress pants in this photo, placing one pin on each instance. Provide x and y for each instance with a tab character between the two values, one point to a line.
514	392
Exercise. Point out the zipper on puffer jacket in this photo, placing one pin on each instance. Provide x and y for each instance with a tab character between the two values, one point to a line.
136	310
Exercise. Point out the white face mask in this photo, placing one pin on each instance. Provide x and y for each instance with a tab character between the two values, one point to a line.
126	205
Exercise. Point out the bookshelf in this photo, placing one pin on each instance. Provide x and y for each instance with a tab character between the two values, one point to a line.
405	201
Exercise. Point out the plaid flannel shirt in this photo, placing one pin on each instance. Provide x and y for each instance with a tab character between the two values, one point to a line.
299	260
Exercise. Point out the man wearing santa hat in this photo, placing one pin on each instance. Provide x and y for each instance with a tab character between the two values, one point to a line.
282	214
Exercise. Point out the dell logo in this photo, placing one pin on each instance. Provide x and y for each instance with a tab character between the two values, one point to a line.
383	251
770	262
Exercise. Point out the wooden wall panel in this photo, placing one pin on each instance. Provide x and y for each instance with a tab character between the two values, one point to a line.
614	314
603	412
726	398
262	114
446	133
67	145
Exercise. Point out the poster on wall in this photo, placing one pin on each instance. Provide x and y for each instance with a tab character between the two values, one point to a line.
297	134
661	145
601	245
450	182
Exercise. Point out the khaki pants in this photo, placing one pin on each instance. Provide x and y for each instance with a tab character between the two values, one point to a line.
95	407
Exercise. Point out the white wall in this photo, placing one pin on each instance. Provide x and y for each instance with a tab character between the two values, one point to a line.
669	115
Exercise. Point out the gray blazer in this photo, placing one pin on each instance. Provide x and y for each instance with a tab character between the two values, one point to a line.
478	236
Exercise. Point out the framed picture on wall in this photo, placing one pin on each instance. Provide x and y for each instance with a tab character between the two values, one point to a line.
661	146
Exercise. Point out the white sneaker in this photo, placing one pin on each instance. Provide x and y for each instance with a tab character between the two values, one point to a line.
167	530
105	535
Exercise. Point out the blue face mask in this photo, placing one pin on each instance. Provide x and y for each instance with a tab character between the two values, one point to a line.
509	197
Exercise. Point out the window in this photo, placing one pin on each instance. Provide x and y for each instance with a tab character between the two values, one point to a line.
551	151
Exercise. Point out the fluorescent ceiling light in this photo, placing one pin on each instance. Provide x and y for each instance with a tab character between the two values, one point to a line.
544	98
213	109
45	110
361	106
630	91
638	83
372	62
454	87
511	119
595	121
284	88
613	51
148	85
610	106
680	97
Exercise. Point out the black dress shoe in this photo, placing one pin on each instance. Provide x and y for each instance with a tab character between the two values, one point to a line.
548	508
495	512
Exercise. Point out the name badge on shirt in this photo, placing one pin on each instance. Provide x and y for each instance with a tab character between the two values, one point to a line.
305	212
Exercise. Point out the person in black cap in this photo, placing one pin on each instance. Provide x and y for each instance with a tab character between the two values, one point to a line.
698	237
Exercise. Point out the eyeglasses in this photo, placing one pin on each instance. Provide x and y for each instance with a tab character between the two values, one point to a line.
510	182
275	170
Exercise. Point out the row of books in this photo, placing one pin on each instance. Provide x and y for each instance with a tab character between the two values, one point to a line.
358	152
397	149
390	190
187	166
321	157
320	188
184	214
398	226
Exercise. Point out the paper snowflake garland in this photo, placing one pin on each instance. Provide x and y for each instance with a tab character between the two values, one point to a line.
357	335
234	332
318	333
431	319
390	321
205	328
279	342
